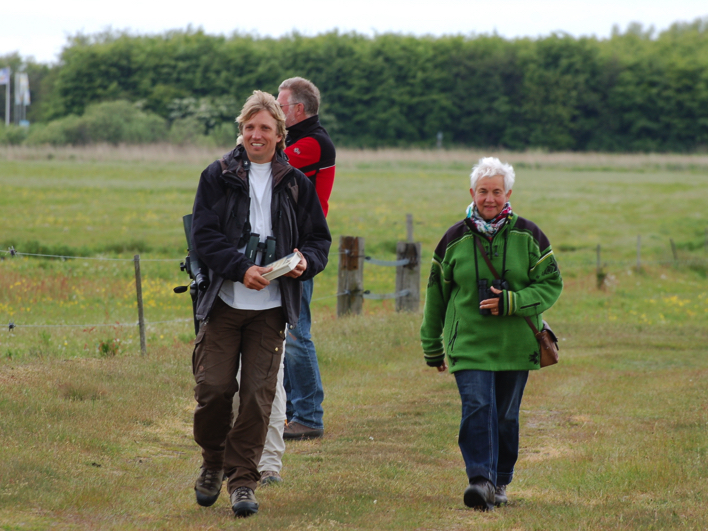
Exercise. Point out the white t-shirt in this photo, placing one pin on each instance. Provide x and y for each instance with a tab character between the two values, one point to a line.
235	294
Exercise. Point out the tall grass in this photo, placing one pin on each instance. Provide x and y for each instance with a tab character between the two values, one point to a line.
94	436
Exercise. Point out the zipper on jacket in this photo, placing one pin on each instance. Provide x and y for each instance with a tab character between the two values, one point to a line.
529	306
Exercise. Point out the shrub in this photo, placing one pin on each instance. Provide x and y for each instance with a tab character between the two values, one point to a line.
185	131
109	347
118	122
190	131
224	135
112	122
68	130
12	135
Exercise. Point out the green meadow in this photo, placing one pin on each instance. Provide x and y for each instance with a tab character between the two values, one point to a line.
95	436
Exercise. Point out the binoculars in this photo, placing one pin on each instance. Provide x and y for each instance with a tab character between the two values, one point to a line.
485	291
267	247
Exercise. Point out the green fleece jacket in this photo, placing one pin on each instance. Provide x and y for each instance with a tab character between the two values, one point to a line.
452	323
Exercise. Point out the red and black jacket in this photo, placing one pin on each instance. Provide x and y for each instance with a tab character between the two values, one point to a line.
310	150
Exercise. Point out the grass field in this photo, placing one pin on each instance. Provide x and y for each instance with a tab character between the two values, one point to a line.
94	436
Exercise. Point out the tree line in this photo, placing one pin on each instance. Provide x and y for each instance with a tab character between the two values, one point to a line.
634	91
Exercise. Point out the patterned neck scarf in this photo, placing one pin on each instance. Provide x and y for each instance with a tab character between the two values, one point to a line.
488	228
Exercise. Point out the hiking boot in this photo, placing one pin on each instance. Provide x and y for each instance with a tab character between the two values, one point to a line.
297	431
500	495
270	477
243	502
208	486
480	494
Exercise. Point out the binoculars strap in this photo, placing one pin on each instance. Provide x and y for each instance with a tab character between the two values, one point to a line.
484	255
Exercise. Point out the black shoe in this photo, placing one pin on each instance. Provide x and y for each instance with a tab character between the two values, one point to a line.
297	431
243	502
480	495
500	495
208	486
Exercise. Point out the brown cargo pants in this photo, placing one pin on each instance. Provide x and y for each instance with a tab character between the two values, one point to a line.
229	336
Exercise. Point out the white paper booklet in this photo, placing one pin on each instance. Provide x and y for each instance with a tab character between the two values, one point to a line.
283	266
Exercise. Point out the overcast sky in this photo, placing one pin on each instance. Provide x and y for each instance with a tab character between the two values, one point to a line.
39	28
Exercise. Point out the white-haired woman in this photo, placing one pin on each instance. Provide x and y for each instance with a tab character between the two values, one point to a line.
478	322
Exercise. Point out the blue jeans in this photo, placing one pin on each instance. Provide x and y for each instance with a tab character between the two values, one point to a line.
302	374
489	430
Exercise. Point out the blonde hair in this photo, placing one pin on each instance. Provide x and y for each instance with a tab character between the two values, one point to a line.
257	102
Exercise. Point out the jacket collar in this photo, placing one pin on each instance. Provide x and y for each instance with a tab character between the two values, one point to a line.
238	165
301	129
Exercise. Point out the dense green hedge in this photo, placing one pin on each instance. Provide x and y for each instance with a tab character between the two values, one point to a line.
631	92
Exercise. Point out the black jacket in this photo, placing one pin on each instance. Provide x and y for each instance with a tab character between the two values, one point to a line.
221	209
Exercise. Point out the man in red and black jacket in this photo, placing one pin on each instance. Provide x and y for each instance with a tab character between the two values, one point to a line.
308	146
310	149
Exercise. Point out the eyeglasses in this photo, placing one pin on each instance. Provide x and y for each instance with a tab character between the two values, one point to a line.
293	103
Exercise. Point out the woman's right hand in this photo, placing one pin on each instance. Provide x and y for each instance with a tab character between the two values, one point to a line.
443	367
491	304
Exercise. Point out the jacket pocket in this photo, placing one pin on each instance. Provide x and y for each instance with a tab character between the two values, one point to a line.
198	372
273	337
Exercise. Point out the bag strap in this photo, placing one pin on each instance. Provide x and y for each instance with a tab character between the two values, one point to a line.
494	272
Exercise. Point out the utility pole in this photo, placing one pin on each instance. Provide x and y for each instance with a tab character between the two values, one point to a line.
5	75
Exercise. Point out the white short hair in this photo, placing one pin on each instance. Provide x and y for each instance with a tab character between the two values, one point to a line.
489	167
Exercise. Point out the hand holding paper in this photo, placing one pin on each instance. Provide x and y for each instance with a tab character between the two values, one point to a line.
291	266
299	268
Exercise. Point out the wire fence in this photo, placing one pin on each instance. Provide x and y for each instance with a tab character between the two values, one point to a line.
12	252
598	263
12	325
367	294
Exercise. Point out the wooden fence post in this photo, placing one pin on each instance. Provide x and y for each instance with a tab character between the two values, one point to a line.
141	315
673	250
408	277
409	228
350	285
600	274
639	252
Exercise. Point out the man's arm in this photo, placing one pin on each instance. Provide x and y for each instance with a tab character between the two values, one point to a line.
213	247
307	155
